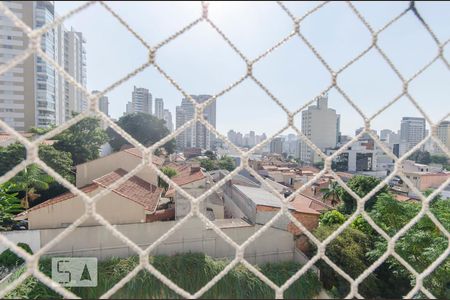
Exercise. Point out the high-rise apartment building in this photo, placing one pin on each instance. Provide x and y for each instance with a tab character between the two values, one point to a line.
443	133
73	58
32	93
103	103
276	145
167	116
141	101
197	135
320	124
159	108
412	131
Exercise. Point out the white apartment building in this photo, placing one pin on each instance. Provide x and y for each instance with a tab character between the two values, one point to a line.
141	101
32	93
321	125
167	116
412	131
159	108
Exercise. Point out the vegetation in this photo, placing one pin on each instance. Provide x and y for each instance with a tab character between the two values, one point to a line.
359	246
332	192
421	157
169	172
224	163
145	128
29	182
189	271
9	259
361	185
82	140
9	206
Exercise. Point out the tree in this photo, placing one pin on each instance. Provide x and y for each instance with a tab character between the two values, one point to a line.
331	217
348	251
9	206
60	161
169	172
208	164
82	140
421	157
145	128
226	163
361	185
30	181
439	159
210	154
333	191
11	156
420	246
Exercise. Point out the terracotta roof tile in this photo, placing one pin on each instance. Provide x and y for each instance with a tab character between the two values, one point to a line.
135	189
66	196
308	204
185	174
158	161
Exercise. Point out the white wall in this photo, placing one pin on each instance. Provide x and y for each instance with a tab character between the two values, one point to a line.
30	237
273	245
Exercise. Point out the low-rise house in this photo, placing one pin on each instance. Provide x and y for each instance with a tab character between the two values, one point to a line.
134	201
127	160
259	206
192	179
422	181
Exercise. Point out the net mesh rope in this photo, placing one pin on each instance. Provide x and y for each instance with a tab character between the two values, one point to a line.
32	268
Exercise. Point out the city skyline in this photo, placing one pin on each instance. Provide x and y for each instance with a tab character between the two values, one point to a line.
333	31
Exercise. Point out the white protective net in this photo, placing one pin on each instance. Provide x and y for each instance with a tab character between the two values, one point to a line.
32	155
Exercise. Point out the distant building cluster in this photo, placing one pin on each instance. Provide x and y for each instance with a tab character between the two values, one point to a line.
245	140
142	101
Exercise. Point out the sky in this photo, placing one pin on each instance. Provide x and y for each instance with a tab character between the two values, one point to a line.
201	62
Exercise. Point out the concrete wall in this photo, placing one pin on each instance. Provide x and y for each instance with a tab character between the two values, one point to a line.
112	207
97	168
245	205
30	237
272	246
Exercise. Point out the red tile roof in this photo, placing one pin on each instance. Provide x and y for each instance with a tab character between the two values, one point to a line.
66	196
135	189
304	203
158	161
185	174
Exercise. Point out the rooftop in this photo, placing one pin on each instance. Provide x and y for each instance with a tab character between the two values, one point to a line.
134	189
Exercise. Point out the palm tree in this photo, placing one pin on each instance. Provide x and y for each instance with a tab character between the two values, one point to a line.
30	181
169	172
333	191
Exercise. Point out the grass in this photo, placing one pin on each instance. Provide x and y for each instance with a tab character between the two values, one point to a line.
190	271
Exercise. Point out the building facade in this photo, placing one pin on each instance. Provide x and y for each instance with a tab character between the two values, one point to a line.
32	93
159	108
276	145
167	116
103	103
141	101
320	124
197	135
412	131
443	133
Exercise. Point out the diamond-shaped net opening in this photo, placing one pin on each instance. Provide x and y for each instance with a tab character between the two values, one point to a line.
409	248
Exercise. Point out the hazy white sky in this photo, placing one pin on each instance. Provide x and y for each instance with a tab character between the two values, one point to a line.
202	63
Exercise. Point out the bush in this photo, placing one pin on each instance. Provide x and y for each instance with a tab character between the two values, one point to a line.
9	259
